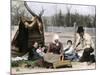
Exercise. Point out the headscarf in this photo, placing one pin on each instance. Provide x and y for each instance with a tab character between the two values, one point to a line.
55	37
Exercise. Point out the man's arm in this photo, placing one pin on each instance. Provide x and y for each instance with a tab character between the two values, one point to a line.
77	42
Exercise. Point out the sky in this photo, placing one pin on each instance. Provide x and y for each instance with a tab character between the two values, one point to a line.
52	8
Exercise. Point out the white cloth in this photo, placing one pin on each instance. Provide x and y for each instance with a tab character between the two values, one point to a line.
70	50
86	42
40	52
19	58
24	57
55	37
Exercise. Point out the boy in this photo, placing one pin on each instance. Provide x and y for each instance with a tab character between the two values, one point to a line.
69	52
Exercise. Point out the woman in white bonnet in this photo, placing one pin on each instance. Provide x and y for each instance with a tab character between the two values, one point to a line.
55	46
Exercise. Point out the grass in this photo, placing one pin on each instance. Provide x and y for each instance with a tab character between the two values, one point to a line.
21	62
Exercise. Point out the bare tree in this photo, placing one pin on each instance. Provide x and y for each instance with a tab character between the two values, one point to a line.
17	10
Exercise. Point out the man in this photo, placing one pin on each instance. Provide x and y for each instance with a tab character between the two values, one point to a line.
87	45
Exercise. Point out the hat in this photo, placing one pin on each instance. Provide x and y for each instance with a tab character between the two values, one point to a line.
80	29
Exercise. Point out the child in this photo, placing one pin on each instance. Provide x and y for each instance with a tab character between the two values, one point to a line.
33	55
40	50
69	52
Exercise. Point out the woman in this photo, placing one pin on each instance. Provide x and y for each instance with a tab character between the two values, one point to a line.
54	51
34	56
55	46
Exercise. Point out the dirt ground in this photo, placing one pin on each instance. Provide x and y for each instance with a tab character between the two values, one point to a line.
75	67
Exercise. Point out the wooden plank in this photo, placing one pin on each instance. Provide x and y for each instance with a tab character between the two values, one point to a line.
65	63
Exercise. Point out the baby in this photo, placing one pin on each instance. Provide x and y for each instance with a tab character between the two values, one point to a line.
40	50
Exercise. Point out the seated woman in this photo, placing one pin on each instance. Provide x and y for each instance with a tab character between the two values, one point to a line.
34	56
69	52
55	46
54	51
